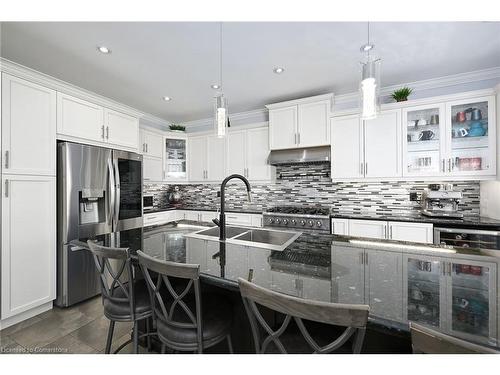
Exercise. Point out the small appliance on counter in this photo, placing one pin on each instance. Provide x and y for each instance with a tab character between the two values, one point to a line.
174	196
441	201
147	202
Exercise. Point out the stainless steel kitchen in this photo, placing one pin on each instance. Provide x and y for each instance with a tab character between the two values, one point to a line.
236	184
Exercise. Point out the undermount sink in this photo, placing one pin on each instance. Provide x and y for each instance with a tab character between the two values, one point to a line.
271	239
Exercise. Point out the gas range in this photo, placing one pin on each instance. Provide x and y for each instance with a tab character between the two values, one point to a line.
300	218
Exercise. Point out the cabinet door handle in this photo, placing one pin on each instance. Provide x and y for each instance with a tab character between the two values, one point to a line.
107	132
298	138
295	138
449	165
362	168
147	147
366	258
102	132
444	168
366	169
385	231
390	232
6	188
361	256
7	159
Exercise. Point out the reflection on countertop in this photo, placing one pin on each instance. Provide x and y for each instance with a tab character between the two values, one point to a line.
451	289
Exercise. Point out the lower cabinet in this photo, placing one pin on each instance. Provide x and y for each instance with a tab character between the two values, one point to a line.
457	296
361	276
242	219
28	270
379	229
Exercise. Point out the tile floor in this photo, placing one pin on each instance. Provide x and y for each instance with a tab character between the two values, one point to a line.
79	329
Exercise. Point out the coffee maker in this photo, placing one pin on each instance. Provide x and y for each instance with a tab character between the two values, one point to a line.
441	202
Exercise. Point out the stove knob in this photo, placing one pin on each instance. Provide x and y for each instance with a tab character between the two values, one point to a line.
285	221
302	222
278	221
271	220
319	224
294	222
311	223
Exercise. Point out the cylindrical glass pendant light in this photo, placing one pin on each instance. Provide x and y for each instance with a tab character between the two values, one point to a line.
220	112
369	87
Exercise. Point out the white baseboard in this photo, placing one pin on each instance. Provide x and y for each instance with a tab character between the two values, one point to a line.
25	315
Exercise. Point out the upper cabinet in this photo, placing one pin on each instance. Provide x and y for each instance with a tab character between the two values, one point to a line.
28	128
151	144
367	149
207	158
86	121
248	151
175	158
300	123
454	138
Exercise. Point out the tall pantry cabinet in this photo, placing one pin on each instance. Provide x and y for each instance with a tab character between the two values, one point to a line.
28	203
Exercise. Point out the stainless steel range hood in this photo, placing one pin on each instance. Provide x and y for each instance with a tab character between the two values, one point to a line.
300	155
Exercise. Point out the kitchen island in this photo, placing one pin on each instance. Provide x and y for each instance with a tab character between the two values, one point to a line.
453	290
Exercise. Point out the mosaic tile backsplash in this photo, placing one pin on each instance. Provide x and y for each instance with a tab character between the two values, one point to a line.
310	185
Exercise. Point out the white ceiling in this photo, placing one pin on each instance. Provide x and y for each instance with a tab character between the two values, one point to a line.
150	60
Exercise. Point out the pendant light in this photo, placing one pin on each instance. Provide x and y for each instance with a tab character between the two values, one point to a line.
220	113
369	88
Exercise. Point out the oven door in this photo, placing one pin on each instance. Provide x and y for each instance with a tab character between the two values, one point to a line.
479	239
127	211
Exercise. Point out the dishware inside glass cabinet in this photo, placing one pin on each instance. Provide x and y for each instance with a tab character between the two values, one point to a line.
424	291
469	137
175	158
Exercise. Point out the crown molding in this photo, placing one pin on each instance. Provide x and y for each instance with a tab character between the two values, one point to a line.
21	71
429	84
256	115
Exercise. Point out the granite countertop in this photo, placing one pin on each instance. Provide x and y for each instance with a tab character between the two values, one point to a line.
326	265
245	210
480	222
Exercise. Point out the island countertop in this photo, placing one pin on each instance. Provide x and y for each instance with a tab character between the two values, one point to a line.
451	289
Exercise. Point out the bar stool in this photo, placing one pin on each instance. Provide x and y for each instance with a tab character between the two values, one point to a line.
124	299
352	317
183	323
428	341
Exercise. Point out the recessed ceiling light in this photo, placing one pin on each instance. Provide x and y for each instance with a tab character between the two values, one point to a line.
215	87
167	98
103	49
366	47
278	70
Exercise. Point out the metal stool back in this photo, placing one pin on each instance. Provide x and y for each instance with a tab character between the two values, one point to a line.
167	305
353	317
428	341
118	289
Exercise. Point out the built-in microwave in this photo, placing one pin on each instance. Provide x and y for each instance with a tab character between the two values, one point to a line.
458	237
147	202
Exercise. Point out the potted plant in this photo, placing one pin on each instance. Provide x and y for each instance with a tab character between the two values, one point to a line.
177	128
402	94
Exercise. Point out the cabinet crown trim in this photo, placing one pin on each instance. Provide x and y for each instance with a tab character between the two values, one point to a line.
309	99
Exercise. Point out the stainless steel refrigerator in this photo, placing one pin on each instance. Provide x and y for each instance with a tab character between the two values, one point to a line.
99	191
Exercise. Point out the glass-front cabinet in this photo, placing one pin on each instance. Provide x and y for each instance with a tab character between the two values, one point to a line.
424	140
175	159
456	297
471	136
455	138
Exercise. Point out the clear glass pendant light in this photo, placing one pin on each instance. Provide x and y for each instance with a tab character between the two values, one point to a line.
369	88
220	112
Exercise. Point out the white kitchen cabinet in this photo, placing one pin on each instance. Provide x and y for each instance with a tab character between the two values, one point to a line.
368	228
411	232
257	154
283	128
313	124
238	219
236	152
340	227
152	169
348	275
206	158
79	118
300	123
208	216
216	158
384	280
151	144
159	218
347	147
383	145
28	276
197	158
28	127
175	158
248	152
121	129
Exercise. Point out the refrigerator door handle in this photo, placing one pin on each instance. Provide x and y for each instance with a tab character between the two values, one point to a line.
111	198
117	192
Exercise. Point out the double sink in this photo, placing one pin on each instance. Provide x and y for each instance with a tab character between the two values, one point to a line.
270	239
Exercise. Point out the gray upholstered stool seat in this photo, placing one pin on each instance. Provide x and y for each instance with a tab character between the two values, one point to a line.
120	310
